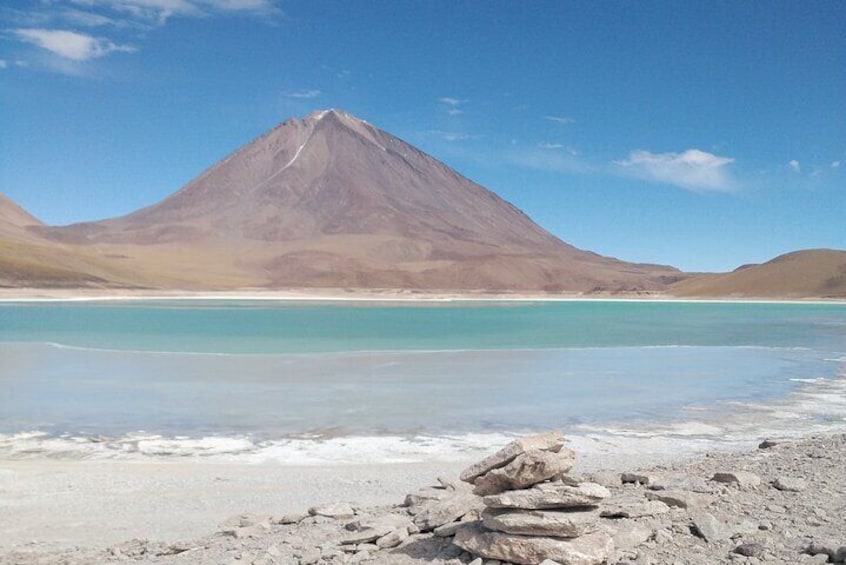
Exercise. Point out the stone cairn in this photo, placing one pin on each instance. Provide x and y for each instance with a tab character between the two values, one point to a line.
533	510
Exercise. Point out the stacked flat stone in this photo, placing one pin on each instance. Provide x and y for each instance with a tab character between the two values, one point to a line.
534	510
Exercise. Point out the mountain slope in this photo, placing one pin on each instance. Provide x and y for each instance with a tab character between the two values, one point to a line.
819	273
27	259
14	219
331	201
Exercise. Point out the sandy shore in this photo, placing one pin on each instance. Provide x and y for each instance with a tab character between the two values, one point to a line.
60	504
86	512
358	295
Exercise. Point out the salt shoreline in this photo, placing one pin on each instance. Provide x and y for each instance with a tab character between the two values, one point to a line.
80	508
391	296
59	504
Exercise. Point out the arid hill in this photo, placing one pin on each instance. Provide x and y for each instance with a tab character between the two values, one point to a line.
331	201
819	273
13	218
27	259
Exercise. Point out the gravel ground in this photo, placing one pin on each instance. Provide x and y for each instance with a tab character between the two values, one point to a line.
784	503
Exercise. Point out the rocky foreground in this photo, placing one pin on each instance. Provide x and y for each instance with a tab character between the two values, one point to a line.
783	503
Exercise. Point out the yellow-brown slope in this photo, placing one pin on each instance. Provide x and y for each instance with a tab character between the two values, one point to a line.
812	273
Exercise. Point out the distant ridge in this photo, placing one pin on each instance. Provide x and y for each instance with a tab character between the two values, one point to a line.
331	201
812	273
13	217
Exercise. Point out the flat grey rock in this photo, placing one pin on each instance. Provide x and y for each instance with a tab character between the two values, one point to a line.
549	496
555	523
590	549
525	470
549	441
447	510
681	498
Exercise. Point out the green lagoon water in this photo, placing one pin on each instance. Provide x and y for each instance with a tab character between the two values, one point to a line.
285	378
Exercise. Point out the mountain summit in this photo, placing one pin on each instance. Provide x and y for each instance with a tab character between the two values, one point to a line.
332	201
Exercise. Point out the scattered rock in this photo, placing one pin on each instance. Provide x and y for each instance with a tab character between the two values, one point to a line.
375	528
638	478
628	534
750	549
340	510
292	518
680	498
768	443
632	507
310	556
392	539
448	530
790	484
447	510
743	479
708	527
680	482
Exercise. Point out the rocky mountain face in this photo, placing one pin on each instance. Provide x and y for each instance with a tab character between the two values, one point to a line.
331	201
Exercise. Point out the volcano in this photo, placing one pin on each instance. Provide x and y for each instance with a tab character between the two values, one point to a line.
331	201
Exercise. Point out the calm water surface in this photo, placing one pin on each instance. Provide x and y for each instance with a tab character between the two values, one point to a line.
181	371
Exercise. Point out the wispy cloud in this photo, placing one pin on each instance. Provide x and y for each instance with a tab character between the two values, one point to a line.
552	157
452	105
90	19
3	64
560	119
794	164
70	44
451	135
306	94
160	11
694	169
56	25
835	164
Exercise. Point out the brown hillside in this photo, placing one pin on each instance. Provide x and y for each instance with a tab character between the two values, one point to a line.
817	273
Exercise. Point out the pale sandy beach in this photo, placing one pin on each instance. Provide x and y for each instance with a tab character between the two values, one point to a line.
52	504
69	512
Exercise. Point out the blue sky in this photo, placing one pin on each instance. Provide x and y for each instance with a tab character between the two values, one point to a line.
704	135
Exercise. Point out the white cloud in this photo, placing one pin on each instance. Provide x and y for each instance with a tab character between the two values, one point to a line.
304	94
70	44
693	169
158	12
452	105
3	64
54	25
835	164
90	19
549	157
560	119
794	164
451	135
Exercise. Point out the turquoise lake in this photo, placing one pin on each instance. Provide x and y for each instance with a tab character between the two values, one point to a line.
193	376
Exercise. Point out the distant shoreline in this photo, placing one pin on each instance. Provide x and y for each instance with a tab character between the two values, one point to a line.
42	295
